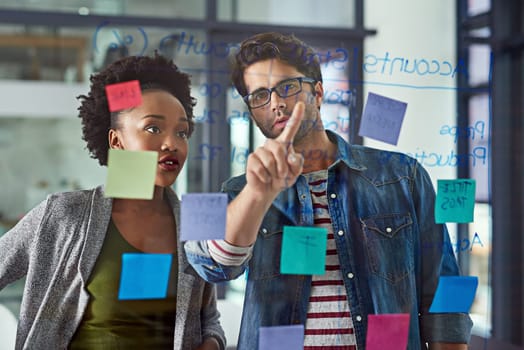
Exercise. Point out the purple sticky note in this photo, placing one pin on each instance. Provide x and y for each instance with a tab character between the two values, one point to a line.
281	338
387	331
382	118
203	216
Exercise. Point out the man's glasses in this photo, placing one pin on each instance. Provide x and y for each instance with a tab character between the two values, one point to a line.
285	88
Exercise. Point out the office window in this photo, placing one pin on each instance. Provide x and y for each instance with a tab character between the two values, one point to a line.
475	116
328	13
194	9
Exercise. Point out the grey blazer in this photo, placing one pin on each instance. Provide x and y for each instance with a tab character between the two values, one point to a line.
56	246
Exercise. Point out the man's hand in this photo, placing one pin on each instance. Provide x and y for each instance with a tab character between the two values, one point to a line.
275	165
270	169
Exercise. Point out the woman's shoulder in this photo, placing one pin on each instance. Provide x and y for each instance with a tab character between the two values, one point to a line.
72	203
72	198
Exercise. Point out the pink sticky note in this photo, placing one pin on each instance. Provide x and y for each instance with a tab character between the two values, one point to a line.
387	331
123	95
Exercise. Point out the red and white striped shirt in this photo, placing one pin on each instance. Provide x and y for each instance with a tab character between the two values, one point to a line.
329	325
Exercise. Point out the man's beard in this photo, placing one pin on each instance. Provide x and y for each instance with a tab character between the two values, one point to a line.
310	122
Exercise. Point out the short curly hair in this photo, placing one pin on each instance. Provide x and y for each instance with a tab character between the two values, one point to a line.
155	72
286	48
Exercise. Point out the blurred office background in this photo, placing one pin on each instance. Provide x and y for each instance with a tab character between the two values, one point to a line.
49	48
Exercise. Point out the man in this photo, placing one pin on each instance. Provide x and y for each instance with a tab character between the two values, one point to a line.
377	207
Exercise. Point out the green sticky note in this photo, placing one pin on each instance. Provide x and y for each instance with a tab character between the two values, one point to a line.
455	201
303	250
131	174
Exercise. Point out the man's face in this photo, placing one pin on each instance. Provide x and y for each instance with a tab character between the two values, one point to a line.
272	117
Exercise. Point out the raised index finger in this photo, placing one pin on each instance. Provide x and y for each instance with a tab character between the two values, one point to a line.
293	124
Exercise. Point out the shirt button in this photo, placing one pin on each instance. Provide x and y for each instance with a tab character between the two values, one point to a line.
303	196
264	230
350	275
333	195
389	229
340	233
359	318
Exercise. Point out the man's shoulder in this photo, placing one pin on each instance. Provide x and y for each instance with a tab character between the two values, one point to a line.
364	157
371	157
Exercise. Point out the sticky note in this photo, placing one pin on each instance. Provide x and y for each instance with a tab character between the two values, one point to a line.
382	118
303	250
123	95
387	331
281	338
455	201
203	216
131	174
454	294
144	276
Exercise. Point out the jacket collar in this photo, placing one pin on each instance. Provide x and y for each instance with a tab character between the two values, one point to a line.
345	153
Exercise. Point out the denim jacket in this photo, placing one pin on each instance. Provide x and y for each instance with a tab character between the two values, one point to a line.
382	209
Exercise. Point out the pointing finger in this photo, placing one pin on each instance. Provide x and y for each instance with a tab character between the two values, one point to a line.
293	124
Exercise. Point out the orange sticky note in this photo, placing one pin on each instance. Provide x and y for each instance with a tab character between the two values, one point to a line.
123	95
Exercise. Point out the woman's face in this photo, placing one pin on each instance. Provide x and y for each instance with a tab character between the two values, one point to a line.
159	124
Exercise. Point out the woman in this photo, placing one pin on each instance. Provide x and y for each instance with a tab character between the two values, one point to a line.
70	245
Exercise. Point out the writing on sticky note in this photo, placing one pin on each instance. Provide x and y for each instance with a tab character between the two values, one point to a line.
281	338
455	201
382	118
131	174
203	216
303	250
387	331
144	276
454	294
124	95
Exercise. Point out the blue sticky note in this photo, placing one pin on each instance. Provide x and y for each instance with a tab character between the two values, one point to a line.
387	331
454	294
382	118
455	201
131	174
203	216
303	250
144	276
281	338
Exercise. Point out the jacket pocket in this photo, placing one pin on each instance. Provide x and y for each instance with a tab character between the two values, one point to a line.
265	262
389	244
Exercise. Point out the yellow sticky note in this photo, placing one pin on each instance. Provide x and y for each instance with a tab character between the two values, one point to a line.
131	174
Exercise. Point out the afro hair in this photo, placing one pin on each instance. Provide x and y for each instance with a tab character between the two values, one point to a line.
152	72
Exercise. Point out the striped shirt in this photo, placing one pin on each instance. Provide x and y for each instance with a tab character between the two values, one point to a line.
329	325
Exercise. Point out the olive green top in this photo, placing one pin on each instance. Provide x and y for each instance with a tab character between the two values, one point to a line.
109	323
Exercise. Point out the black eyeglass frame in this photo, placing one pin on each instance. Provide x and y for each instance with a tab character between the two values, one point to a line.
274	88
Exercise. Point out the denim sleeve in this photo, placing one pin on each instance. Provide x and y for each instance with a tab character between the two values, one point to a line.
198	256
435	327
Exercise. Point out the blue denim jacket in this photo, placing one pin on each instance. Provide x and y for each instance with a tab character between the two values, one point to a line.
382	209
